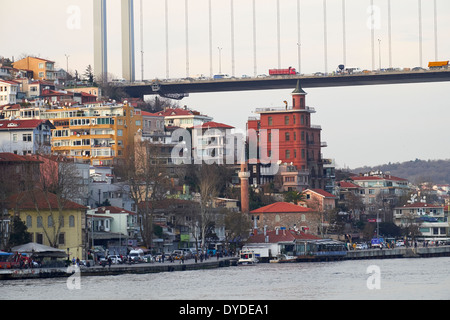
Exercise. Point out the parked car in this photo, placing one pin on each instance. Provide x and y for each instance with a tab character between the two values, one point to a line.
361	246
116	259
148	258
400	243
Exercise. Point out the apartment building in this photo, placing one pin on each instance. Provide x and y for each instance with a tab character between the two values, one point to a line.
97	133
8	92
289	134
25	136
43	69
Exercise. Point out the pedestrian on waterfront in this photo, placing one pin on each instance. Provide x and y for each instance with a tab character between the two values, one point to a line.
109	261
195	258
163	256
217	254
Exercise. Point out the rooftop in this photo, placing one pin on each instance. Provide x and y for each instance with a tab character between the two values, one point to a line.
281	207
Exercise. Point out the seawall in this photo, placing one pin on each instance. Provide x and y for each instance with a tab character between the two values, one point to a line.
411	252
142	268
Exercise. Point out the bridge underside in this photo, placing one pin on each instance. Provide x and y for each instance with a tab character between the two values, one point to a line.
178	90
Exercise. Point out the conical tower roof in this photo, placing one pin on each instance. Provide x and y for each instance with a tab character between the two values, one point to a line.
298	89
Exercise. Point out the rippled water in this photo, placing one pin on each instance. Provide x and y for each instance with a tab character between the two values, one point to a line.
427	278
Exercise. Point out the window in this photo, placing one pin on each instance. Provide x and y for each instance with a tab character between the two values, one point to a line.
288	154
26	137
270	121
41	66
39	222
61	239
29	222
286	120
14	137
120	132
71	221
50	221
287	136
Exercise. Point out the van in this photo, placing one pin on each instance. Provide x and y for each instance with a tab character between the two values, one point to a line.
136	255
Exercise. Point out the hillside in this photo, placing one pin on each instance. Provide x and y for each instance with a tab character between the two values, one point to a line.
435	171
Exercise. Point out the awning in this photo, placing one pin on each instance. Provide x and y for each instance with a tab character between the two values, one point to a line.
36	249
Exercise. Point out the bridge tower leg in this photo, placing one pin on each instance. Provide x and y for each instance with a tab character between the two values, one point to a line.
128	56
100	40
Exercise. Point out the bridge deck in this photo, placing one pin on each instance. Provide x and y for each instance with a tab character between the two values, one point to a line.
183	87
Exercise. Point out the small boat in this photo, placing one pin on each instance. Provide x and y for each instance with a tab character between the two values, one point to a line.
247	257
285	258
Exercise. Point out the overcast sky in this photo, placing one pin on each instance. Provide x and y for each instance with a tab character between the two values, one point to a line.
362	125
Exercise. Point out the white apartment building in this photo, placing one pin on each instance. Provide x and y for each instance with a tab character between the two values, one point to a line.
8	92
25	136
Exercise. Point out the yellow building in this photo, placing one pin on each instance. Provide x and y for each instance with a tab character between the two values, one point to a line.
61	227
43	69
97	133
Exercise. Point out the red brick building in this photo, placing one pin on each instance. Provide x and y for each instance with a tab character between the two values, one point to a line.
299	142
283	215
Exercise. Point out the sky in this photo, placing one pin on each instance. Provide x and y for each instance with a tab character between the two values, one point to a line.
362	125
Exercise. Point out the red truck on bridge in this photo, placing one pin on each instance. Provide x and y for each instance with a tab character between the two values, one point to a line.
277	72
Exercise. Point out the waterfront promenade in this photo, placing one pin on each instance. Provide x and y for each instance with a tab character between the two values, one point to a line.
117	269
212	263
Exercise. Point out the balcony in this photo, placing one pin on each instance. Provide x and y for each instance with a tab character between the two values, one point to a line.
281	109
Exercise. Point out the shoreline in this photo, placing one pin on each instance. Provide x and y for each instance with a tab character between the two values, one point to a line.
115	269
157	267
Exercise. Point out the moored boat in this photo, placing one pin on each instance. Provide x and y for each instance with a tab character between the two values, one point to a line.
247	257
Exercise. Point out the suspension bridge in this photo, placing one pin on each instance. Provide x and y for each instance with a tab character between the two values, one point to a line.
179	88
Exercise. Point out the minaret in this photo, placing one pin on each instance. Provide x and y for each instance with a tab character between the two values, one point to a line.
244	175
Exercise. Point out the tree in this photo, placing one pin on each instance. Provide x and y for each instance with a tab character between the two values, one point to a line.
208	189
144	171
238	226
89	74
294	196
19	234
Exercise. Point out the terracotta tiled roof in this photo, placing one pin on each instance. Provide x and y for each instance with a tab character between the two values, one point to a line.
11	157
44	201
281	207
420	205
112	209
346	184
21	124
212	125
323	193
385	177
146	113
